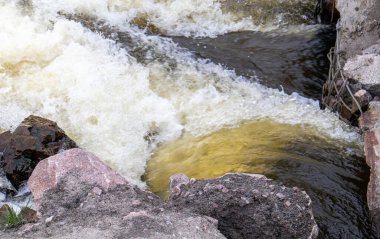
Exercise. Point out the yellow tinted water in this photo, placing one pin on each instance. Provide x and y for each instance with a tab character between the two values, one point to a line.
252	147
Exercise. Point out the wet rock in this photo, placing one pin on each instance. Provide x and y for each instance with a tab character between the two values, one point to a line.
5	185
327	12
4	140
34	139
90	169
247	206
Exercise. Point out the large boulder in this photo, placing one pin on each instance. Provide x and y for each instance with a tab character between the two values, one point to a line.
89	168
34	139
247	206
370	125
79	196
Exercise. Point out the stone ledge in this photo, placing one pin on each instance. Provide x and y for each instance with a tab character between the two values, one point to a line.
370	124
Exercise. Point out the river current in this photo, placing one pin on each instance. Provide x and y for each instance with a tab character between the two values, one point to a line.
202	87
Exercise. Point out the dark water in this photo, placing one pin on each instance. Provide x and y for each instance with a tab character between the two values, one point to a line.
295	61
336	183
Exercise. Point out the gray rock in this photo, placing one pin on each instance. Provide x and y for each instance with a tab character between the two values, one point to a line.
74	208
365	69
247	206
360	25
236	205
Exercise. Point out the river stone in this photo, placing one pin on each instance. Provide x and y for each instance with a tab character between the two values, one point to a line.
91	170
247	206
34	139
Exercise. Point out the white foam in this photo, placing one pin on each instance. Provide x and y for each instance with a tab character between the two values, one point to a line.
110	103
197	18
172	17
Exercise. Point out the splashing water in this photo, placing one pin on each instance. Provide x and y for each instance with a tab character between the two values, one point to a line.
121	92
109	102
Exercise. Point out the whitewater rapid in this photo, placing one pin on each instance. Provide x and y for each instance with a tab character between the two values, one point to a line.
120	107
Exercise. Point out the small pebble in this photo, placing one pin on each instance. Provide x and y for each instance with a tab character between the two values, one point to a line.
97	191
136	203
280	195
246	201
49	219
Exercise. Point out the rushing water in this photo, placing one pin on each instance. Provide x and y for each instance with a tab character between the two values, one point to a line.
294	62
125	92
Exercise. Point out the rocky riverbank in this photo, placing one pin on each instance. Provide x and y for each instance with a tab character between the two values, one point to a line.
76	195
358	47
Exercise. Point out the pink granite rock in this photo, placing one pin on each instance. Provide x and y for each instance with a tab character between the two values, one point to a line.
91	170
370	124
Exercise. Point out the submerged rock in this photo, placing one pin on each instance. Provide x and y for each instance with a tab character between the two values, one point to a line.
34	139
247	206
